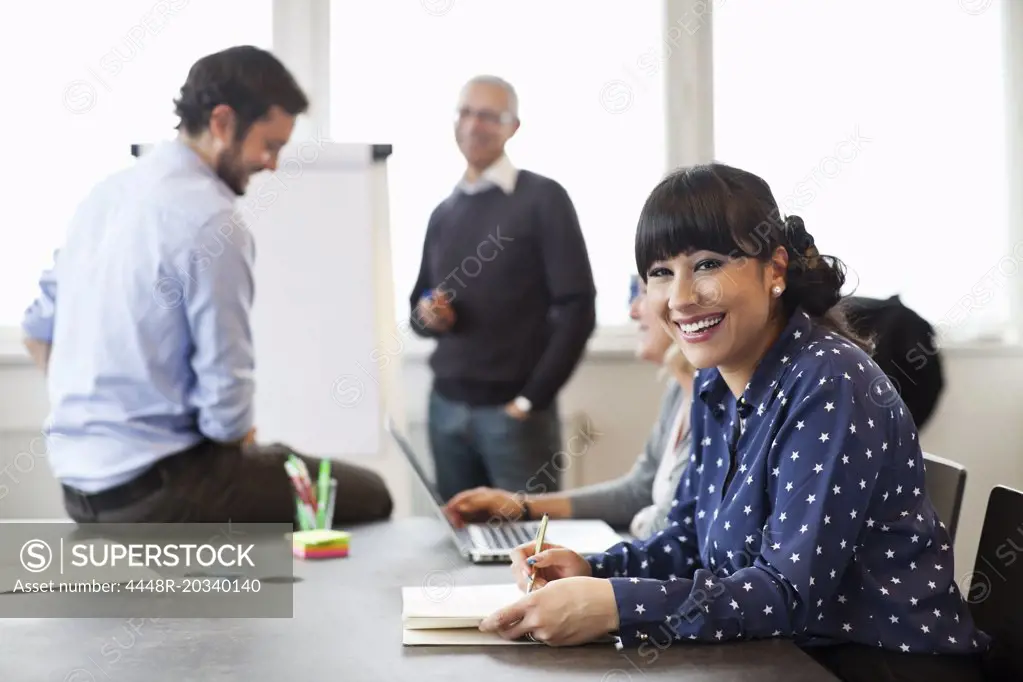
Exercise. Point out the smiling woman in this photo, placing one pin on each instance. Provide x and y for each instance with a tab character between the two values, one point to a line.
802	512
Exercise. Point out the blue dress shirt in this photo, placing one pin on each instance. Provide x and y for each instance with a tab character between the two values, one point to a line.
147	310
820	531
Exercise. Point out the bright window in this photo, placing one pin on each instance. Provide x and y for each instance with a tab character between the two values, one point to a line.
882	124
589	79
93	81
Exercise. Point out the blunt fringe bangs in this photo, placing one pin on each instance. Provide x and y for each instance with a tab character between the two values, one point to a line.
707	208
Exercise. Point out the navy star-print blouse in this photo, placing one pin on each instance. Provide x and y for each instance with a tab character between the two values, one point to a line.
821	530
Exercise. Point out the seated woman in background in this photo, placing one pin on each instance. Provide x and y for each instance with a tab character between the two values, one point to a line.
803	511
640	499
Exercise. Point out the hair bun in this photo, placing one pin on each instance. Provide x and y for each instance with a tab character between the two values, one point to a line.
799	238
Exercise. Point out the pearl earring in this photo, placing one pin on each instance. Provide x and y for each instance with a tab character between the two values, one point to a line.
776	291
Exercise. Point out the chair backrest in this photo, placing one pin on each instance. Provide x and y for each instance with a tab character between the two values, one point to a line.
995	592
945	481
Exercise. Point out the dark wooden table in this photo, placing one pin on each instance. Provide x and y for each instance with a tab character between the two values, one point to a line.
347	626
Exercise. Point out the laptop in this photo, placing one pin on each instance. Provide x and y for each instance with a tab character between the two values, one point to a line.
493	542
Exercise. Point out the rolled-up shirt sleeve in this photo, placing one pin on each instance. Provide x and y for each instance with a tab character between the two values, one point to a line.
37	322
219	291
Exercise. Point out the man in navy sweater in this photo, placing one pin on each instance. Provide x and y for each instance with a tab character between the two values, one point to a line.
506	288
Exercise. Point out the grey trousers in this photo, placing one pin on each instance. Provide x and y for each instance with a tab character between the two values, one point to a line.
483	446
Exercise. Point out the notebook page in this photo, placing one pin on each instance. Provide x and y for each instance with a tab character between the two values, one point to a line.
462	606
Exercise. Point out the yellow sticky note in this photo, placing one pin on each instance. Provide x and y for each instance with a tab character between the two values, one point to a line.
320	537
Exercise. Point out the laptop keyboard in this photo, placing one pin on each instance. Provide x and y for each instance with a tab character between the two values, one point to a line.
507	535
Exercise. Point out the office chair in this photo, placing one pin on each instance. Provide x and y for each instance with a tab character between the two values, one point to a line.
945	481
995	593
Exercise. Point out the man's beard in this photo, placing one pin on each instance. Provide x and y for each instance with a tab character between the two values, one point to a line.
231	170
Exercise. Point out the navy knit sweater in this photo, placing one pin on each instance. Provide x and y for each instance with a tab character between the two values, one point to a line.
519	276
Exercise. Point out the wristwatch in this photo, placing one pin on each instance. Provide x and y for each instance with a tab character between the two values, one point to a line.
523	404
525	513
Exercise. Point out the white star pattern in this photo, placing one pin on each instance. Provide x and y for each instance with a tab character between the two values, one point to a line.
809	539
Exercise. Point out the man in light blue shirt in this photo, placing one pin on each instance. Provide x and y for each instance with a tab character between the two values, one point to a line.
142	323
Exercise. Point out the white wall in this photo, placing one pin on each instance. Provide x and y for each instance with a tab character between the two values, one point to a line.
978	424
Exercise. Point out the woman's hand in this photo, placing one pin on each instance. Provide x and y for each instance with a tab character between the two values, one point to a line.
480	504
567	612
551	563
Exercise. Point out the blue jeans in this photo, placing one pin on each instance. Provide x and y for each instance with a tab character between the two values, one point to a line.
483	446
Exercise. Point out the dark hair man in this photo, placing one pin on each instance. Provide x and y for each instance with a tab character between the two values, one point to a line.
142	324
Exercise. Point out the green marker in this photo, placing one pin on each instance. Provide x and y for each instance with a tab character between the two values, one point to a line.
322	495
301	508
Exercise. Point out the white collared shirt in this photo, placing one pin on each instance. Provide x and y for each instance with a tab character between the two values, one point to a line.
500	173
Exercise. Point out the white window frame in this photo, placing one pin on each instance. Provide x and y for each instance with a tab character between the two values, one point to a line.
690	139
1012	28
301	39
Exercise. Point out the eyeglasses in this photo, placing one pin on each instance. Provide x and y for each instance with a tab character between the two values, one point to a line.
487	116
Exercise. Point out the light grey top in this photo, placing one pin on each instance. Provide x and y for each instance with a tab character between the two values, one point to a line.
619	500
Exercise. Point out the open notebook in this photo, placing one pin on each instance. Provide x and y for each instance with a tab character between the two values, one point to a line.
451	616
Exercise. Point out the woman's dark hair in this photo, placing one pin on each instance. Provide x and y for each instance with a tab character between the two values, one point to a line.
726	210
247	79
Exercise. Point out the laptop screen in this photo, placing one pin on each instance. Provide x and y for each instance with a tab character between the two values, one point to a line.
406	449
